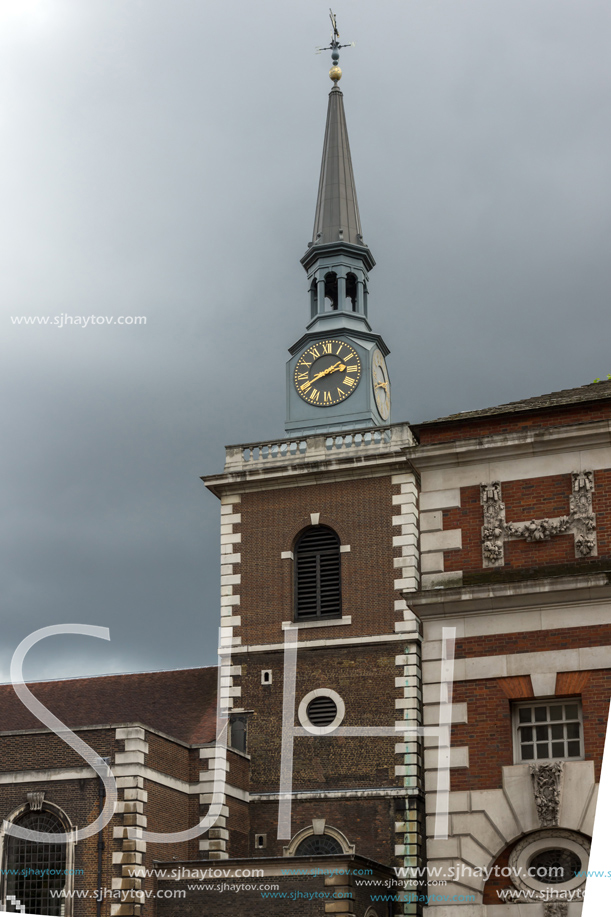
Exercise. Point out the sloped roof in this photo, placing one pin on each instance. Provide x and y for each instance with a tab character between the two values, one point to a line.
180	703
595	391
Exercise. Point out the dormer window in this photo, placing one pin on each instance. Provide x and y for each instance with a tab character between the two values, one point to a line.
317	574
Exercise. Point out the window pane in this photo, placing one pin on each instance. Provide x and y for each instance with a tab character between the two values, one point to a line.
548	731
37	872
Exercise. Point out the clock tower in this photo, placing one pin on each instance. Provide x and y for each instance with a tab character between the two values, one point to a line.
337	378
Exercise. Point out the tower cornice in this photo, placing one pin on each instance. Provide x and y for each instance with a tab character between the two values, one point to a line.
335	250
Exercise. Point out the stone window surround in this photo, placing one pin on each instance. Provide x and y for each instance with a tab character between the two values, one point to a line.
318	826
303	715
551	839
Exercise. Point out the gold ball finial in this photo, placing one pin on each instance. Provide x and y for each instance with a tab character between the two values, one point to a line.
335	73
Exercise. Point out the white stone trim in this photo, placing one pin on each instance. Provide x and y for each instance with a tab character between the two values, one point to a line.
332	622
484	822
336	641
504	666
363	793
431	521
439	499
341	838
408	563
131	805
530	618
447	540
303	716
544	683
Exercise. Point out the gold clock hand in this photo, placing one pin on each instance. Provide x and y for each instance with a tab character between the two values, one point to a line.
335	368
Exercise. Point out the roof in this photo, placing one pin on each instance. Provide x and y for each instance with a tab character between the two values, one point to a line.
337	211
595	391
181	704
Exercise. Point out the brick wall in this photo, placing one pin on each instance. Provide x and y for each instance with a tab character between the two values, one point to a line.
533	498
364	676
489	730
513	422
368	823
360	512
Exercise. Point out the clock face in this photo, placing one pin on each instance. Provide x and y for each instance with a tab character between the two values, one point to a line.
327	373
381	384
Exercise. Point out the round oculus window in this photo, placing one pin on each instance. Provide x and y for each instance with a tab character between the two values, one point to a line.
321	711
554	866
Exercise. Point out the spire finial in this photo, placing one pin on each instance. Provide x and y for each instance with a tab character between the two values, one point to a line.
335	72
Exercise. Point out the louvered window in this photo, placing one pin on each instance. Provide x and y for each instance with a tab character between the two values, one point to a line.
321	711
317	574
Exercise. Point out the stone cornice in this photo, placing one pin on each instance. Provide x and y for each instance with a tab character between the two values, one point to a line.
526	443
322	457
499	597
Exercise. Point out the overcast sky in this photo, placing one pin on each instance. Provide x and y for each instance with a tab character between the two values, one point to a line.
160	158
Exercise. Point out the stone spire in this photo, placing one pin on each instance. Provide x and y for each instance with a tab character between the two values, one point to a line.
337	211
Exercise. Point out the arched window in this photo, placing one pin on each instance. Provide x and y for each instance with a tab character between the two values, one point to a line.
35	874
351	289
317	574
324	841
317	845
331	289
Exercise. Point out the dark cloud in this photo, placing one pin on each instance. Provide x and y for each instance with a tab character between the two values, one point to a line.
161	159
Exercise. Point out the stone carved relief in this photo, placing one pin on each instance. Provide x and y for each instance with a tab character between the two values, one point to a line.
581	521
35	801
547	780
555	909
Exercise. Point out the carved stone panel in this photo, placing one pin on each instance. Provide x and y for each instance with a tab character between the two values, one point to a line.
547	780
555	909
580	522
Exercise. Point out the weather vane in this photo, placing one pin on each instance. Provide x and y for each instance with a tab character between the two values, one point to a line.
335	72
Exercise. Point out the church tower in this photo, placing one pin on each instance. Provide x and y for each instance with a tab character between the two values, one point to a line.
318	544
337	377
